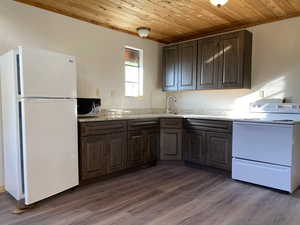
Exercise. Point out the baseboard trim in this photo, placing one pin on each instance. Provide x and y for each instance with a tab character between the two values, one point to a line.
2	189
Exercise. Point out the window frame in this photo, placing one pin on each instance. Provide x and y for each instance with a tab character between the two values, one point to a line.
140	71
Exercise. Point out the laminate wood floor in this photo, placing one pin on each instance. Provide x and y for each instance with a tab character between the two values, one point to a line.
162	195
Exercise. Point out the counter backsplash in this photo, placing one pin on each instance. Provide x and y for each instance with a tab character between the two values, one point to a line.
120	112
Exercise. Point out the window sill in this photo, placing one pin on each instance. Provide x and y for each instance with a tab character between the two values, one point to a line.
134	97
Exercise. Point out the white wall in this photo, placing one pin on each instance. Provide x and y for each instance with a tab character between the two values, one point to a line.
275	69
99	53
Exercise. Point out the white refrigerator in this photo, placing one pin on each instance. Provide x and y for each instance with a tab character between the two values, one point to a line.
39	123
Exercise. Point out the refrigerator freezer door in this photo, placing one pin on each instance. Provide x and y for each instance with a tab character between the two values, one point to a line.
50	147
47	74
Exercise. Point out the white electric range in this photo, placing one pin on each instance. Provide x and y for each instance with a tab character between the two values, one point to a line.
266	148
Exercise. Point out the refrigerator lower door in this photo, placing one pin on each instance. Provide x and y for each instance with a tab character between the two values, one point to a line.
50	148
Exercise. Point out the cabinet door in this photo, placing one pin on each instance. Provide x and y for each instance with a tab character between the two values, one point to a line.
194	147
219	150
171	142
93	157
170	68
136	148
208	63
231	69
187	66
117	145
151	145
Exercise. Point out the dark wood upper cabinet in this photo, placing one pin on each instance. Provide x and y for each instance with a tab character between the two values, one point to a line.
225	61
187	66
235	67
231	61
219	62
170	68
208	63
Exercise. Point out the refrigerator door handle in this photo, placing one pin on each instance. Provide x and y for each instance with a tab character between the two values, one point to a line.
18	73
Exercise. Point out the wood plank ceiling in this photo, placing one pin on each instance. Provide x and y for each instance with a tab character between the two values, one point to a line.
173	20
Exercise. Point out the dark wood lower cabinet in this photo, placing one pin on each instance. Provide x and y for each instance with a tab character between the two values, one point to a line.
117	151
136	148
102	155
208	144
219	153
152	142
143	146
108	148
93	157
194	145
171	144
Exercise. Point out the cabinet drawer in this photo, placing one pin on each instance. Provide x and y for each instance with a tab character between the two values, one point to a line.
103	127
208	125
142	123
171	123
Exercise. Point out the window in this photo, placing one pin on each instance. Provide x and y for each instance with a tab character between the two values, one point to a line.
133	72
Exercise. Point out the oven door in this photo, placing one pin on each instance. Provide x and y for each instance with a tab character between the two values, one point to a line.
263	142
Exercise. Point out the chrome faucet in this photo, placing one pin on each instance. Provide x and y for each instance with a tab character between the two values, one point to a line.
169	109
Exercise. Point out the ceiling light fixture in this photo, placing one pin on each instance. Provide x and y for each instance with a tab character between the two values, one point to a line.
143	31
218	3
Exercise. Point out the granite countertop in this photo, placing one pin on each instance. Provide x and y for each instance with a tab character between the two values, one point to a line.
237	118
149	116
240	118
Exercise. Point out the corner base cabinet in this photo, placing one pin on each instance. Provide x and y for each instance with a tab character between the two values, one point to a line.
171	139
109	148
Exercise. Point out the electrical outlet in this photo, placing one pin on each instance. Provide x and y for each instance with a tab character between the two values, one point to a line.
98	92
112	93
261	94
